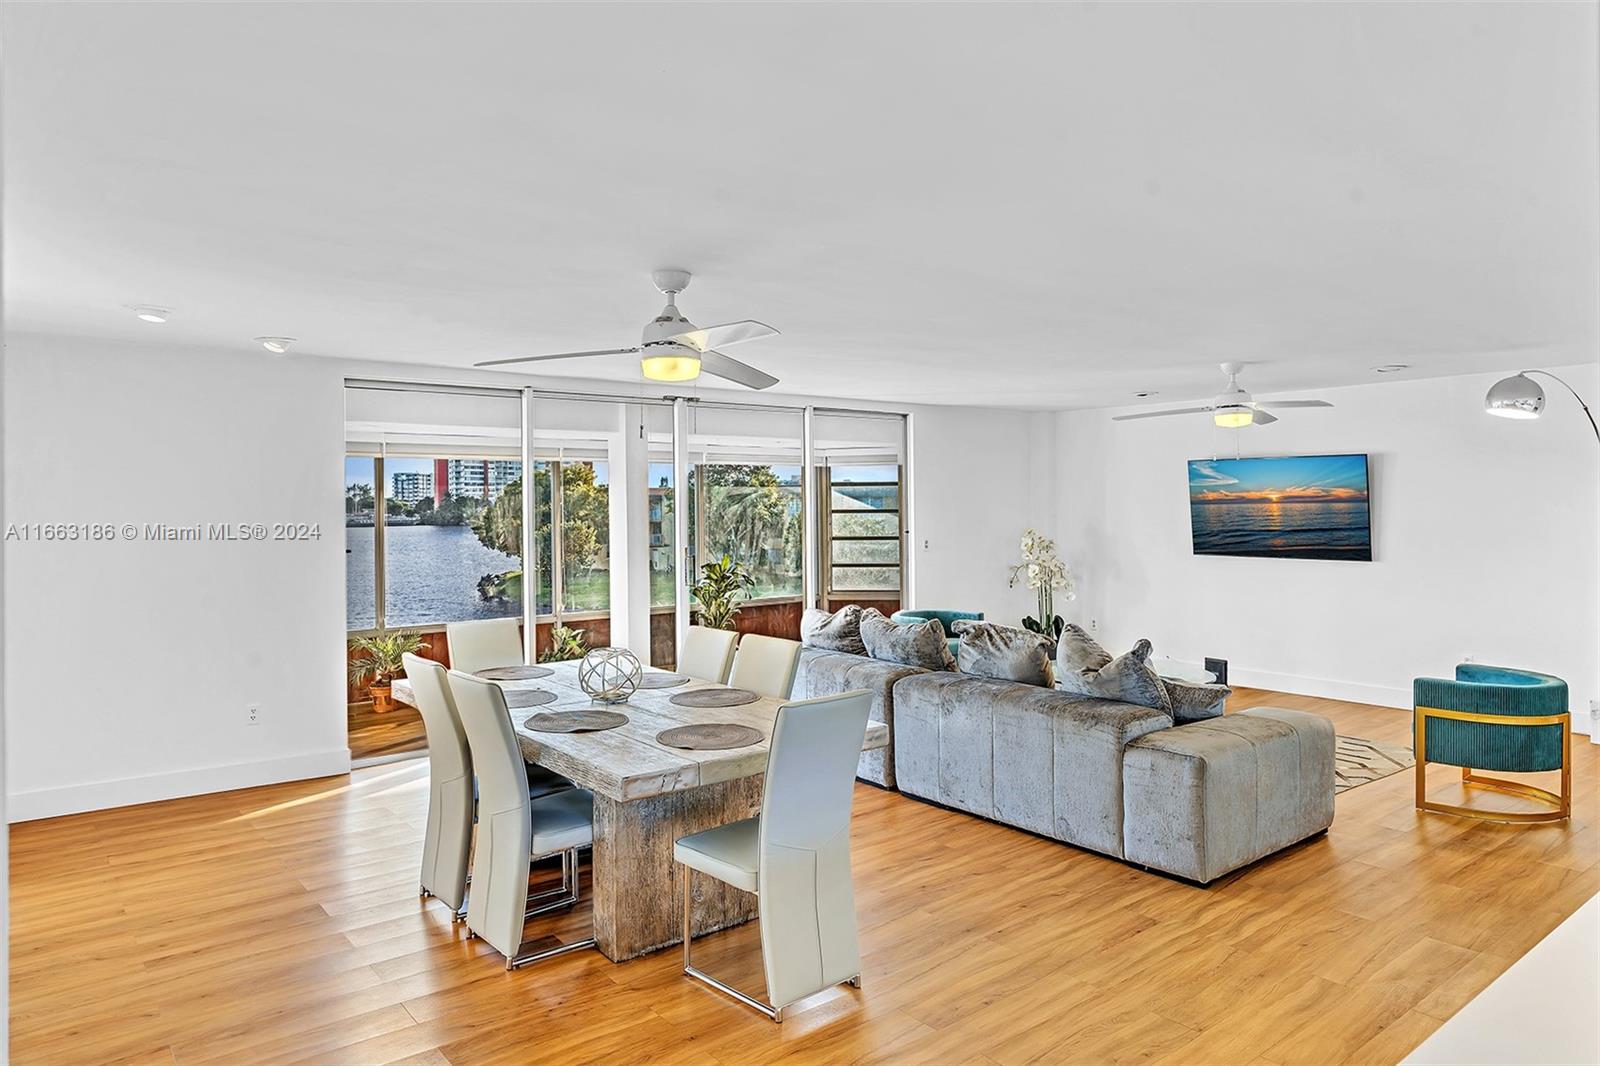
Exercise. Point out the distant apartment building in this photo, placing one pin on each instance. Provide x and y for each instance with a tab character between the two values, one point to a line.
409	486
478	479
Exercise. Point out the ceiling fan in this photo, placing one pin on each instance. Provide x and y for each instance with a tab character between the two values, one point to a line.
1232	407
675	349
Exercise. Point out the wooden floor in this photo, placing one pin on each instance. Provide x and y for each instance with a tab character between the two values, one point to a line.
283	924
374	735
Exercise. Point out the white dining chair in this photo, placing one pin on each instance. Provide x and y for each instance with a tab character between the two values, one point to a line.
765	665
452	786
794	855
447	841
478	646
707	654
514	830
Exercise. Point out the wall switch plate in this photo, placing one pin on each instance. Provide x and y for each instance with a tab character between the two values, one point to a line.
252	714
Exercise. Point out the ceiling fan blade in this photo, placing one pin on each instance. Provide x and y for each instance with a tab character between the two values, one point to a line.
725	334
712	362
560	355
1294	403
1259	417
1163	414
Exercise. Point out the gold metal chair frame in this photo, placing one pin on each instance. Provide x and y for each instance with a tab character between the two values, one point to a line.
1561	805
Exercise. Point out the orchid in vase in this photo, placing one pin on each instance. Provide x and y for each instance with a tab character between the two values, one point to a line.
1046	574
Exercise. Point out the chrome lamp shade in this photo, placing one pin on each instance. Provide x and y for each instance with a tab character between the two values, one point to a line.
1518	396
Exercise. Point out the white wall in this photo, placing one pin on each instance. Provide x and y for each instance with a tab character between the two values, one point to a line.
1484	543
130	663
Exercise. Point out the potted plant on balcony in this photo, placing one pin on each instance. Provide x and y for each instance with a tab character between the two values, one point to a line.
377	663
722	584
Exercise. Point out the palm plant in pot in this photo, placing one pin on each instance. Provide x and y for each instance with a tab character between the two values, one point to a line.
378	662
722	584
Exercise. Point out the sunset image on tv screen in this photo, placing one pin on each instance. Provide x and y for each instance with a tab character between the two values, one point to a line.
1292	507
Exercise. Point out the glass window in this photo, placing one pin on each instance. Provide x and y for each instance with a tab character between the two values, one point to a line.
863	528
753	514
658	513
360	563
452	540
585	536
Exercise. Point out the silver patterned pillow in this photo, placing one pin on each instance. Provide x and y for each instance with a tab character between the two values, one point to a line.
1003	652
1129	678
1077	650
839	631
912	644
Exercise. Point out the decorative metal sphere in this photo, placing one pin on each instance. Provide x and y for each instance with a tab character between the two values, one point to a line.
610	675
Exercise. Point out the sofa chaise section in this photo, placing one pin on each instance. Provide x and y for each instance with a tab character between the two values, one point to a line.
1036	758
828	673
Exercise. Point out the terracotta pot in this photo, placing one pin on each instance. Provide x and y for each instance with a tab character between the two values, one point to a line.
382	697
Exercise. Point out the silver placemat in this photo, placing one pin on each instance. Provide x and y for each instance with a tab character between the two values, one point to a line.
527	697
584	721
514	673
710	736
715	697
663	680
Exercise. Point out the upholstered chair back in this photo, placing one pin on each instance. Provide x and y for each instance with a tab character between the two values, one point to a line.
478	646
707	653
496	906
807	903
447	841
765	665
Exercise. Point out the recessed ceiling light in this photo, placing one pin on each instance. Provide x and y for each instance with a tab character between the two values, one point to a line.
1147	392
1391	368
275	345
150	313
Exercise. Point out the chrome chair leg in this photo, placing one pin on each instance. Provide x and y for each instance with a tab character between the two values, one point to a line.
571	879
775	1013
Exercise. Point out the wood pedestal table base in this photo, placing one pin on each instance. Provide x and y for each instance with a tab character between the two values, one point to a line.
638	899
646	796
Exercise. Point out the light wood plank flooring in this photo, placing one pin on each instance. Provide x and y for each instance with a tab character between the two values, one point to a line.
283	924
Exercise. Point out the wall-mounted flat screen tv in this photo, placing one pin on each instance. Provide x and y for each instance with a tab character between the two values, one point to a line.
1286	507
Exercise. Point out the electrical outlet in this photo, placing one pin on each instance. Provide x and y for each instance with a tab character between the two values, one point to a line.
924	545
1468	659
1094	624
252	714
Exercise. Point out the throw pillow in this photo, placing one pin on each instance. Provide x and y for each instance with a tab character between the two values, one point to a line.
912	644
1128	678
839	631
1077	650
1193	702
1004	653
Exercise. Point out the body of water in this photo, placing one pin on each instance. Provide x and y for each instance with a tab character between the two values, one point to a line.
432	576
1303	529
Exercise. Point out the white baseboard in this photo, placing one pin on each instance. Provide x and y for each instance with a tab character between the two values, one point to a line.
1583	721
100	795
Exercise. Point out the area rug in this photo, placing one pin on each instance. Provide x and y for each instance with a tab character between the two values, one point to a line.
1361	762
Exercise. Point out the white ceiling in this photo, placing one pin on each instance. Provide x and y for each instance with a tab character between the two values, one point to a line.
1040	206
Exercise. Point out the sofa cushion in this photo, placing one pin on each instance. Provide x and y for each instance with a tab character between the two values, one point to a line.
1129	678
829	673
839	631
918	644
1031	757
1205	799
1004	653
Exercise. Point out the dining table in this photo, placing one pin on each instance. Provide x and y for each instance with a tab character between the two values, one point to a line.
647	794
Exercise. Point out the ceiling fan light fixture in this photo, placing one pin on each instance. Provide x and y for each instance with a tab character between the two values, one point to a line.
1233	417
677	366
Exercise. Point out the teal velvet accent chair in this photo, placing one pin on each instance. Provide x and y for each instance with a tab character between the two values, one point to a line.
1495	718
946	618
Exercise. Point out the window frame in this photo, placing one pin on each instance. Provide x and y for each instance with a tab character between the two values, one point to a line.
831	593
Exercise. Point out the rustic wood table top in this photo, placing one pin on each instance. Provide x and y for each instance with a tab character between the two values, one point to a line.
628	763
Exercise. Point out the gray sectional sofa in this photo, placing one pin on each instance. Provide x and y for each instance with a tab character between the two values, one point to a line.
1196	800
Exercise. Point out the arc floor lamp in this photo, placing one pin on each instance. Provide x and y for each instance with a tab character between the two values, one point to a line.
1519	396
